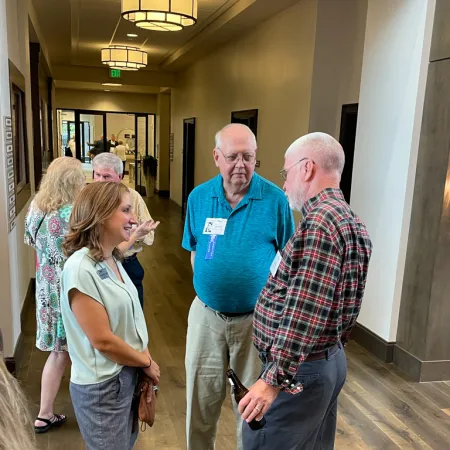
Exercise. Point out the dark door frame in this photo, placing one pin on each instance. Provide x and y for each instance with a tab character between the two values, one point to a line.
348	111
78	113
137	172
104	113
50	116
188	180
35	50
247	117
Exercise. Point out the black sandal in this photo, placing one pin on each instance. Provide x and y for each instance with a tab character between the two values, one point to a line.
55	421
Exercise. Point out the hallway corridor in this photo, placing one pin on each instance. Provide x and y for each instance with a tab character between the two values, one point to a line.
379	409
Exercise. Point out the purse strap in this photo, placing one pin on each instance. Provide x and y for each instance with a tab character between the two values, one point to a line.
39	226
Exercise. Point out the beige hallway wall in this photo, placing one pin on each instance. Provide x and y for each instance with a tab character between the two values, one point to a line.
18	259
269	68
338	57
105	101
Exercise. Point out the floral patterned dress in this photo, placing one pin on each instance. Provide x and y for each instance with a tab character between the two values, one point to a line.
46	232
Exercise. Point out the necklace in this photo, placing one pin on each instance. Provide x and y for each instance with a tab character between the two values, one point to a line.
114	267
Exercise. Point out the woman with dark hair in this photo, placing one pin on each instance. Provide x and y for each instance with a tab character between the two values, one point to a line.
104	322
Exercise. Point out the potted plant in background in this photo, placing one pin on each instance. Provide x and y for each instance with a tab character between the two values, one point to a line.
150	164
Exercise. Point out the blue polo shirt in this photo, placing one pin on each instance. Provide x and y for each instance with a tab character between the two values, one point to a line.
230	278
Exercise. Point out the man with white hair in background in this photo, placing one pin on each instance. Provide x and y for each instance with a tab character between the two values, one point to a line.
235	224
109	167
308	307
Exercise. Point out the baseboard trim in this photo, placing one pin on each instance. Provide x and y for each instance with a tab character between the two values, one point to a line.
13	363
421	371
28	302
164	194
374	344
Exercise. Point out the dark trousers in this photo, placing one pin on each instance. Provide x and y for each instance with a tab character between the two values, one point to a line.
135	271
307	420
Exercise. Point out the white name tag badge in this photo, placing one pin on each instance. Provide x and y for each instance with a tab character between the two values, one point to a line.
275	264
215	226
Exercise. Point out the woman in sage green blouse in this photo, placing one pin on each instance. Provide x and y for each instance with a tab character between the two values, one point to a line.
105	325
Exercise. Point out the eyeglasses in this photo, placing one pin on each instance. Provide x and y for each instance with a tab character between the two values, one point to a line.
284	172
233	158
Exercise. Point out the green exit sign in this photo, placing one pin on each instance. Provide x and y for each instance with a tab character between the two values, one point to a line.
115	73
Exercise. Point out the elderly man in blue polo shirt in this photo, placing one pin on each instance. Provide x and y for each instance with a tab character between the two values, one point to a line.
236	224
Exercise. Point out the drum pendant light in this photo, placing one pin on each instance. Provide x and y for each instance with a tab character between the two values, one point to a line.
161	15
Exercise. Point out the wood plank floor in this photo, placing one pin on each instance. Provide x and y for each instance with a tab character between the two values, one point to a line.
378	408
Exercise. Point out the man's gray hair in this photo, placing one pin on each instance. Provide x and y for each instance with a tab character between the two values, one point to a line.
324	149
220	133
108	161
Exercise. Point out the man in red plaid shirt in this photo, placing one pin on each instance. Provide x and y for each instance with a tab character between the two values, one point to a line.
308	307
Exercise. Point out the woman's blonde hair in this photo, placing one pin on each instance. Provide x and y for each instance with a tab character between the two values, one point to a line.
96	203
61	184
16	428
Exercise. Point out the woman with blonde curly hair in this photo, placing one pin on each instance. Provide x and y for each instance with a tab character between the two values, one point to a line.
46	225
105	324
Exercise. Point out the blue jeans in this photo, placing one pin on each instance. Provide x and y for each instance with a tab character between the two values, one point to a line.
135	271
307	420
104	411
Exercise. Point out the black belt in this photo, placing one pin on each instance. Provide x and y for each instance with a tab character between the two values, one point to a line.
235	314
324	354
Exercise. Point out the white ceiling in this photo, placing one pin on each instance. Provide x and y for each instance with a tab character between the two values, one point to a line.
83	27
75	31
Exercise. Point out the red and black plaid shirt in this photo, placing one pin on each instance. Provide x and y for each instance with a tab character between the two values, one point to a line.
314	298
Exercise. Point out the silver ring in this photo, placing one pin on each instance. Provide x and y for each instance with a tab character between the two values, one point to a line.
257	409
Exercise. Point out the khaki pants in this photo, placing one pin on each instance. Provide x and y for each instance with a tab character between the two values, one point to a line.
214	344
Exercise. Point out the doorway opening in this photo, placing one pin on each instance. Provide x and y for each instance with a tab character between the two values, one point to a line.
347	136
102	131
247	117
188	161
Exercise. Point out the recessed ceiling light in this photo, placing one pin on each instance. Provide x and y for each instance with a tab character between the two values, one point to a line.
111	84
132	35
107	90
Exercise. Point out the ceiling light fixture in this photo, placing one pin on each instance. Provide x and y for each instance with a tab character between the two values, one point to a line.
132	35
161	15
111	84
124	57
107	90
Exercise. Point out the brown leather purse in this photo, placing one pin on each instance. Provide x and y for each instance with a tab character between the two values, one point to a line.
145	411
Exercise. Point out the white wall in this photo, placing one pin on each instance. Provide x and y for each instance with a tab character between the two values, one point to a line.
338	56
118	122
269	68
105	101
396	54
